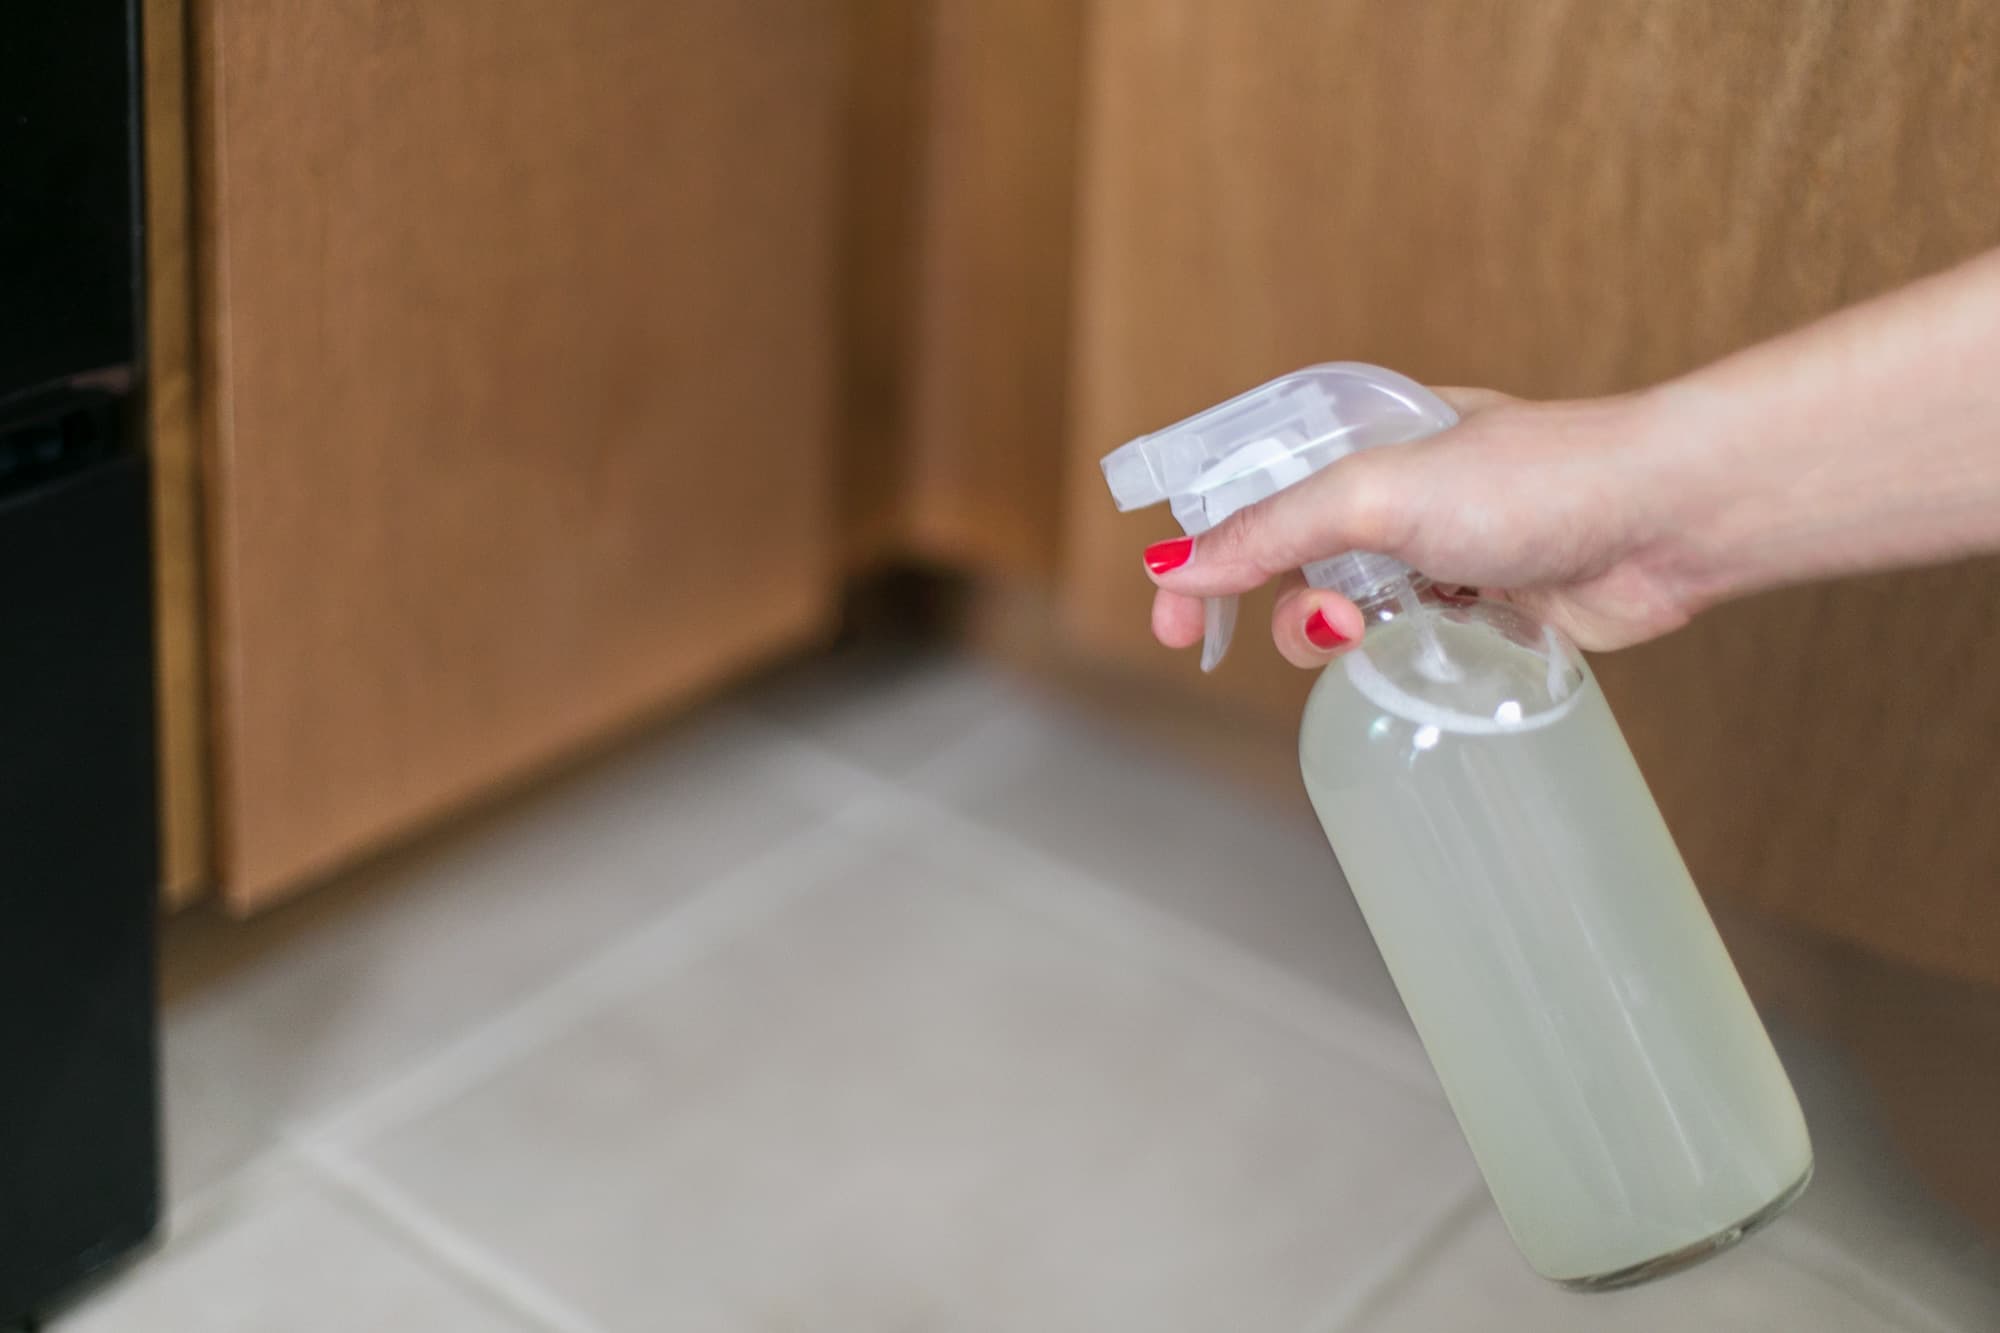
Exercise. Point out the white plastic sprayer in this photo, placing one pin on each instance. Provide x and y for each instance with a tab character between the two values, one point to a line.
1257	444
1599	1050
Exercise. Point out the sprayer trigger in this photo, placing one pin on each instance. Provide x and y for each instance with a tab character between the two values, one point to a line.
1218	623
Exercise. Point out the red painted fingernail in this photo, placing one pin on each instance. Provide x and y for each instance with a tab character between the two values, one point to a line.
1321	633
1163	556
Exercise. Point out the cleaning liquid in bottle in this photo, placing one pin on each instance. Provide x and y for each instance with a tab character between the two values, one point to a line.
1615	1084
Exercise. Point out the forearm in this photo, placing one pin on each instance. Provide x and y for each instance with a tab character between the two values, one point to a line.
1868	440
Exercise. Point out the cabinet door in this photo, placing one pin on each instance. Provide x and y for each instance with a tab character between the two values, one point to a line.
1569	198
517	390
962	185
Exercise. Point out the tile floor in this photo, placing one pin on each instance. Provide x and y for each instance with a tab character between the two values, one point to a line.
895	997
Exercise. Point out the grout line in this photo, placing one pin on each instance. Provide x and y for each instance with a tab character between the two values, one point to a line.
735	899
216	1203
1366	1297
1213	961
1220	966
586	989
192	1211
192	1208
437	1241
824	768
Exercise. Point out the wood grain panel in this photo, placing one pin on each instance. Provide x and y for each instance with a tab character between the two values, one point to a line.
1559	199
891	48
988	369
519	378
183	723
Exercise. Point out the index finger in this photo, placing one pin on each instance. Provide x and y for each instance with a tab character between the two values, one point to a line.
1340	508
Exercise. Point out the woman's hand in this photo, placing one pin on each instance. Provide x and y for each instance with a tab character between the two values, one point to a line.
1868	440
1557	506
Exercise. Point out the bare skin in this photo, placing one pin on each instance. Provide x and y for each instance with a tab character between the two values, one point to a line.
1868	440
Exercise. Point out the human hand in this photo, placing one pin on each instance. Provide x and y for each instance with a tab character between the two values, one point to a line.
1559	507
1868	440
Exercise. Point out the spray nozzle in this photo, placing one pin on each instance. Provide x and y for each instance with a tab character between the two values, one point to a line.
1257	444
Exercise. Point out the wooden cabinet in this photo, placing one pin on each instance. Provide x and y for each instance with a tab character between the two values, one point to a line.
513	321
516	378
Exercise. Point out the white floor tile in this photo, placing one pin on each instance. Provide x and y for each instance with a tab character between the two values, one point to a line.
461	929
689	1052
290	1257
1156	826
1476	1282
886	709
910	1100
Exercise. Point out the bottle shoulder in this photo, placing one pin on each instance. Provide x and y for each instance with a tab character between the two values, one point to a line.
1468	666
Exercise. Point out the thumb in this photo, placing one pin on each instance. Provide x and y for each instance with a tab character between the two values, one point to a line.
1340	508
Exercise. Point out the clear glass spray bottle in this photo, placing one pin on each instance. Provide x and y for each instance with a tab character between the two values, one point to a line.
1616	1086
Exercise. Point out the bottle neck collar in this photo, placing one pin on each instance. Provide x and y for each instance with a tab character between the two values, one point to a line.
1384	604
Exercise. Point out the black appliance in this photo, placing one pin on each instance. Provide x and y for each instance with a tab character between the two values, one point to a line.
79	1159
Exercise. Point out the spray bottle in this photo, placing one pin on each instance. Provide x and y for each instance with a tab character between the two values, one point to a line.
1614	1082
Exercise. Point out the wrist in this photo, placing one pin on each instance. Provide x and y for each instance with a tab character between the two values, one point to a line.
1688	465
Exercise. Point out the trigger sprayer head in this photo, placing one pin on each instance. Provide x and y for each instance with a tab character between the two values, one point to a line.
1258	443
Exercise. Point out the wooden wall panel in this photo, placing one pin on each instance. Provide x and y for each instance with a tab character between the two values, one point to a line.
988	366
183	723
519	387
891	52
1560	199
